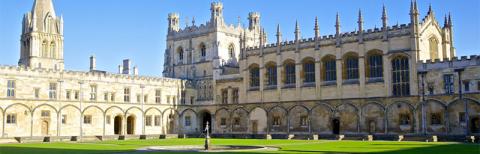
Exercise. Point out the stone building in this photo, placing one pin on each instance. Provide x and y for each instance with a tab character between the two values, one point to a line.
398	79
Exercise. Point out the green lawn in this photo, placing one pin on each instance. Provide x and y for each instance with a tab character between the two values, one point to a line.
287	146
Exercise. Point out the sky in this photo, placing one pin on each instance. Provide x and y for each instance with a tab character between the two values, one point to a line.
114	30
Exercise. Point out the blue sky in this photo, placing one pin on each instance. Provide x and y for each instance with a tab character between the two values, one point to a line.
117	29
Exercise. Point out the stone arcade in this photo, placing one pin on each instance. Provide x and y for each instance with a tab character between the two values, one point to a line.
394	80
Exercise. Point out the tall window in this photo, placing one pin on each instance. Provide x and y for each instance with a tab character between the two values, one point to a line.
351	67
37	93
433	48
158	96
254	76
180	53
53	53
231	51
466	85
303	120
276	121
271	75
45	49
375	66
93	92
126	95
224	96
11	118
329	69
188	121
157	120
309	71
148	120
203	50
289	73
448	81
52	91
400	76
11	88
235	96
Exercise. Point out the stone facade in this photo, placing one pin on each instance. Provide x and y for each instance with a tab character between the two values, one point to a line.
400	79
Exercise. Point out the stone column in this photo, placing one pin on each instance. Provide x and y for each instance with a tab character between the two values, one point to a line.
318	80
361	69
229	95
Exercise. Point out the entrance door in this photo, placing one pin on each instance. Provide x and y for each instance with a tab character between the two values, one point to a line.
254	126
44	128
117	127
371	126
475	125
336	126
130	125
207	117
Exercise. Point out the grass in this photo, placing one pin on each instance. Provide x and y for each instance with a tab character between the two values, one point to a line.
287	146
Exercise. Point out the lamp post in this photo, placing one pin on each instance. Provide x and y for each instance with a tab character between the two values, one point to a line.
460	95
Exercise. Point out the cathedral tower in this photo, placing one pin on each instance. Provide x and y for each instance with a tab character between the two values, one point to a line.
42	37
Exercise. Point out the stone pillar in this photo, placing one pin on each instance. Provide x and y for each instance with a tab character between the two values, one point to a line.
318	80
298	80
229	96
361	69
387	66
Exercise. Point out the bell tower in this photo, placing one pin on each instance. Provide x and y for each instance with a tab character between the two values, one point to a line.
41	43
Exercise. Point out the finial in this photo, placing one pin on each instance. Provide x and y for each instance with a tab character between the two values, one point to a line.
316	29
337	24
360	20
384	17
297	31
278	30
450	19
445	23
193	21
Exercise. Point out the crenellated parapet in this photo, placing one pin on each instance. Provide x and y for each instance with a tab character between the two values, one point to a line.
454	63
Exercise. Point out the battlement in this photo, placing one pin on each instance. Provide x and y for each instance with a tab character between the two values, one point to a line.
455	62
93	75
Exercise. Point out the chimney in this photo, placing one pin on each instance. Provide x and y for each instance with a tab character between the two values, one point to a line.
135	71
126	66
93	63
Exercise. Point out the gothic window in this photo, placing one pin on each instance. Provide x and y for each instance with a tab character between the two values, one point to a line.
112	97
183	96
271	74
52	91
231	51
203	50
433	42
223	122
466	85
448	83
276	121
188	121
11	88
53	53
435	119
37	93
87	119
309	71
400	76
350	67
329	69
254	76
157	120
126	95
289	73
158	96
44	49
404	119
180	53
11	118
235	96
105	97
303	121
374	65
224	96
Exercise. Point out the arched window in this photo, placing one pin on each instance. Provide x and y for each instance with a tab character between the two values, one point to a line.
400	76
374	64
308	71
289	67
329	69
231	51
433	43
254	76
203	50
180	53
271	74
45	49
53	53
350	67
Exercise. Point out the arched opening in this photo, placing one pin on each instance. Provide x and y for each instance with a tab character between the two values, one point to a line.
258	121
336	126
475	125
231	51
130	125
206	117
117	125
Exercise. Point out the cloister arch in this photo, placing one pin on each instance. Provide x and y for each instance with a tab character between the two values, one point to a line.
222	118
45	118
455	111
298	117
114	119
321	117
190	121
348	119
373	118
258	120
400	118
70	116
93	119
239	120
277	119
171	121
23	123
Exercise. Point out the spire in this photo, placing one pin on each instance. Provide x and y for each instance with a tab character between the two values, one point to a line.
450	20
337	25
43	7
445	21
316	29
360	21
430	10
279	34
297	31
384	17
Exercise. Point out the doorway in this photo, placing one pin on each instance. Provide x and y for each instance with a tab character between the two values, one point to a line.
254	126
130	125
45	128
117	125
206	117
475	125
371	126
171	124
336	126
